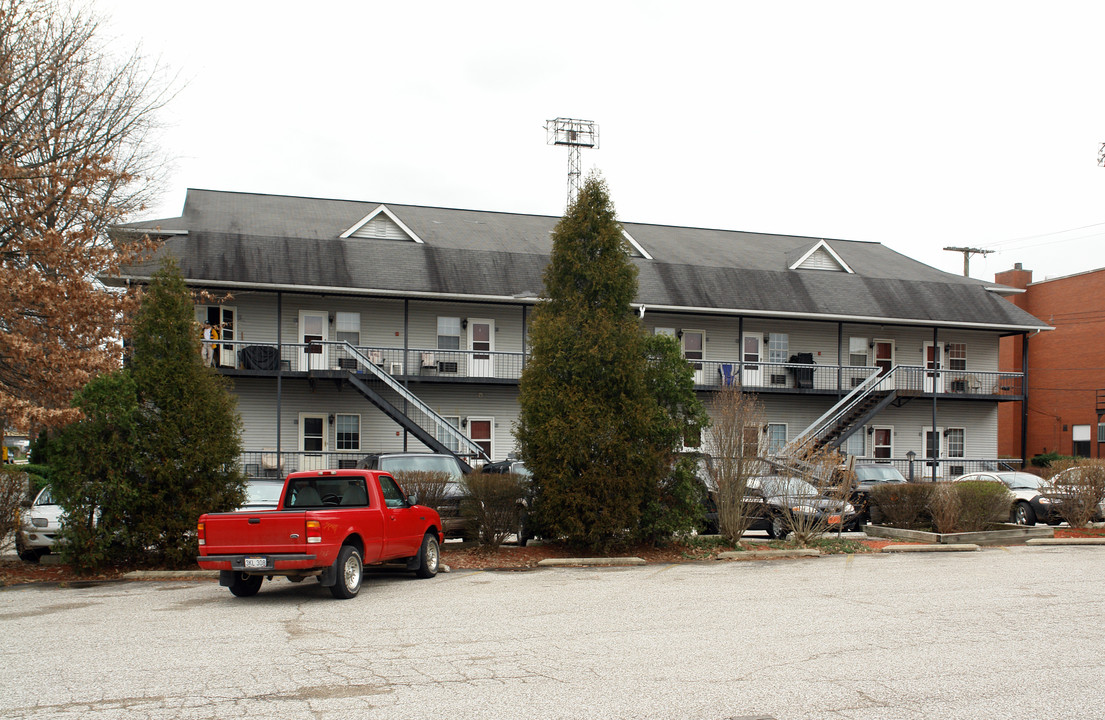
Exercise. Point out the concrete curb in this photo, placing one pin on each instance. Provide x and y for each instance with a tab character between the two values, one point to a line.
1067	541
172	575
942	547
569	562
768	554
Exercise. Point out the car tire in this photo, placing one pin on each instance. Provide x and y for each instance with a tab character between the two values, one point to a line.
429	557
26	554
778	527
243	585
350	572
1023	514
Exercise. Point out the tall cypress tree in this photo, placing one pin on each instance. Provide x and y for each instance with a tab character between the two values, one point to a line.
189	442
588	422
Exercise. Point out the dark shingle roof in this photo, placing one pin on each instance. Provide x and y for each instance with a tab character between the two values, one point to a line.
294	243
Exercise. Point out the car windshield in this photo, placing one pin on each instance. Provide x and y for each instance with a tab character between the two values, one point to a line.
1022	480
421	463
783	486
877	473
45	497
263	492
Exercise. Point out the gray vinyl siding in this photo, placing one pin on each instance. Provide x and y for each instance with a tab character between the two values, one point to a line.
257	408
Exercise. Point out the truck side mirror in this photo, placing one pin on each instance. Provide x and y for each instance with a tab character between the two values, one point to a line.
412	499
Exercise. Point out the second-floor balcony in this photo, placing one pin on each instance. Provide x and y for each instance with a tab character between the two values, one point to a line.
474	366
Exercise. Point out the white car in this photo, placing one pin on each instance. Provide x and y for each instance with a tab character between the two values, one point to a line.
1030	504
41	525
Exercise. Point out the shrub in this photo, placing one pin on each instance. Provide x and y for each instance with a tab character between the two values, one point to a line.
904	506
13	490
1044	460
494	501
944	507
1077	488
981	504
428	485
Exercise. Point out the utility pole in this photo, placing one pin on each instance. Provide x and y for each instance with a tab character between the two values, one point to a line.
967	253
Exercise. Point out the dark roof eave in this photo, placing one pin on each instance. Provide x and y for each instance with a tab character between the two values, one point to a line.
649	307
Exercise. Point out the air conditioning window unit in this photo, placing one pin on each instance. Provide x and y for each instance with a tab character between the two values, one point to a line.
450	367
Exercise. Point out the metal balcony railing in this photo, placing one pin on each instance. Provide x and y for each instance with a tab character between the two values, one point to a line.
497	365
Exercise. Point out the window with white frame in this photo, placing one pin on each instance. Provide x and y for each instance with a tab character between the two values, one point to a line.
347	327
446	438
776	437
857	352
448	333
957	356
778	347
347	432
955	440
855	444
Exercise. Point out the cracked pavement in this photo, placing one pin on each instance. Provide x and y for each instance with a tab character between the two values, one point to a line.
1001	633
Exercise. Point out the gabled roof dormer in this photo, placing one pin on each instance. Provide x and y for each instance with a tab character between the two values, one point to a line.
382	224
634	248
821	257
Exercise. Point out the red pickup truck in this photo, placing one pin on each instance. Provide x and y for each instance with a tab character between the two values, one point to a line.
328	524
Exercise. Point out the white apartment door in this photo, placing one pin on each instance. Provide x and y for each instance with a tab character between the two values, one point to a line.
752	373
481	344
313	329
312	441
934	380
934	447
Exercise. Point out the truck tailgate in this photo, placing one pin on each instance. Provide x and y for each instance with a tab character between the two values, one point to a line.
270	531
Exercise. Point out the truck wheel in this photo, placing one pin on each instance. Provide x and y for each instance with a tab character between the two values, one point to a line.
350	572
243	585
428	557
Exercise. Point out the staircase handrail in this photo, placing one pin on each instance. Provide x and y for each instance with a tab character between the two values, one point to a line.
440	422
841	408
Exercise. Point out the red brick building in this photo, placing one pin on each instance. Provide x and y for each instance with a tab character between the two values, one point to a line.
1065	383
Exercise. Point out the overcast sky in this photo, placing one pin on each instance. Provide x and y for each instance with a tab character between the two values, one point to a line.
918	125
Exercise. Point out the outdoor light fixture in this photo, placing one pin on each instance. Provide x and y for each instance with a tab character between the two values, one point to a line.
870	430
331	418
679	334
464	323
464	422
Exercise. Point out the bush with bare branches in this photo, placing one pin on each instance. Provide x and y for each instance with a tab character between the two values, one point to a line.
428	485
1077	490
733	447
818	502
495	501
13	493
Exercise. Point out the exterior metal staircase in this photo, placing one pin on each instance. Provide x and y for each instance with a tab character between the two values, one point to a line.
406	408
854	410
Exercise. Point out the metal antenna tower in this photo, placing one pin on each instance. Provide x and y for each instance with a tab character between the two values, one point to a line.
575	134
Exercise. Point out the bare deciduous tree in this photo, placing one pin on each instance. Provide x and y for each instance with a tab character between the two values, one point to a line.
733	446
1078	490
75	159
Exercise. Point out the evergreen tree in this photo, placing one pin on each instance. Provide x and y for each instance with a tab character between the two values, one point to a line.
592	428
158	445
190	441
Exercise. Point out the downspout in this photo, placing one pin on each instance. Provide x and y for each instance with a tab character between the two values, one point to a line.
1024	397
406	359
936	376
279	372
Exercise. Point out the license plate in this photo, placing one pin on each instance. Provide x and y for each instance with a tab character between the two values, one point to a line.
256	562
834	519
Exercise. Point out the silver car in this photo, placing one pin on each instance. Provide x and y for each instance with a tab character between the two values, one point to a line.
40	528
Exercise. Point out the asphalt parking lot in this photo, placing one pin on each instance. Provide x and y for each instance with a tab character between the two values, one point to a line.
1001	633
